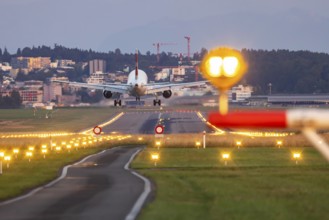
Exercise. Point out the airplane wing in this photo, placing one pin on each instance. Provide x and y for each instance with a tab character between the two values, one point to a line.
109	87
154	88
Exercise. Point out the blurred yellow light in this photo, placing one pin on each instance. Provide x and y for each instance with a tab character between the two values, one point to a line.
63	143
84	143
58	148
29	154
68	146
230	65
7	158
296	155
31	148
44	151
76	144
197	143
53	144
226	156
214	65
44	146
140	138
155	156
279	143
223	67
238	143
16	151
158	143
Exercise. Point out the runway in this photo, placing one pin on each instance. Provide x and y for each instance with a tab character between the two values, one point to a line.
98	188
140	122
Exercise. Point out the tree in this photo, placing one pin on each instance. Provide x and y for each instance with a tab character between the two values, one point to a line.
16	99
6	56
19	52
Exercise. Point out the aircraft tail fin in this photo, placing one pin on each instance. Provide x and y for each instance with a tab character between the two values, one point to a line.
136	65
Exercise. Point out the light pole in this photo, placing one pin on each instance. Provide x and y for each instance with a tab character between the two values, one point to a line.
155	157
226	157
238	144
204	139
296	156
7	159
270	88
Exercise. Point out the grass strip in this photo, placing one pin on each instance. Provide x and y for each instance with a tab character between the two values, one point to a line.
256	183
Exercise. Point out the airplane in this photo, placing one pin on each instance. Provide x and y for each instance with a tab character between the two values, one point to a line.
137	86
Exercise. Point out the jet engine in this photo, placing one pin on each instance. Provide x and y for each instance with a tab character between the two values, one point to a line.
107	94
167	94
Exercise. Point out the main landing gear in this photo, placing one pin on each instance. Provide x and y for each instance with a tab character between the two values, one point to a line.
157	101
117	102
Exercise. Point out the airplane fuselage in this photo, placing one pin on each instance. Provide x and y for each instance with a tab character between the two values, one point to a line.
137	83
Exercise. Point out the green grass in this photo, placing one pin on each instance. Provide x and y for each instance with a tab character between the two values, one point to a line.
62	119
257	183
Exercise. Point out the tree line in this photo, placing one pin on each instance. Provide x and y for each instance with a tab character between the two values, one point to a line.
287	71
12	101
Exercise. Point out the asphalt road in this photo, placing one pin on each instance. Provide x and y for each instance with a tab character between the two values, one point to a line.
140	122
99	188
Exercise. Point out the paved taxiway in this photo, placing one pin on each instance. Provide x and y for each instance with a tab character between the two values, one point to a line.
144	122
98	188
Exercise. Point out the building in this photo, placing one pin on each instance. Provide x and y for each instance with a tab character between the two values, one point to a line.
98	78
32	92
30	63
239	93
97	66
64	63
52	92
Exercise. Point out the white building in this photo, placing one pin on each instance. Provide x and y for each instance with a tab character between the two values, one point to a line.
239	93
97	78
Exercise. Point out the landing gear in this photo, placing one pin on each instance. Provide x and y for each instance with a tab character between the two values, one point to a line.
157	101
117	102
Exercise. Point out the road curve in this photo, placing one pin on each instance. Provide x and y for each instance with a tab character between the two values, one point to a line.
97	188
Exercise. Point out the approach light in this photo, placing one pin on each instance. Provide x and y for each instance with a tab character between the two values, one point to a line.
7	158
279	143
296	156
31	148
238	144
226	157
198	144
155	157
2	154
15	151
44	146
58	148
29	154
